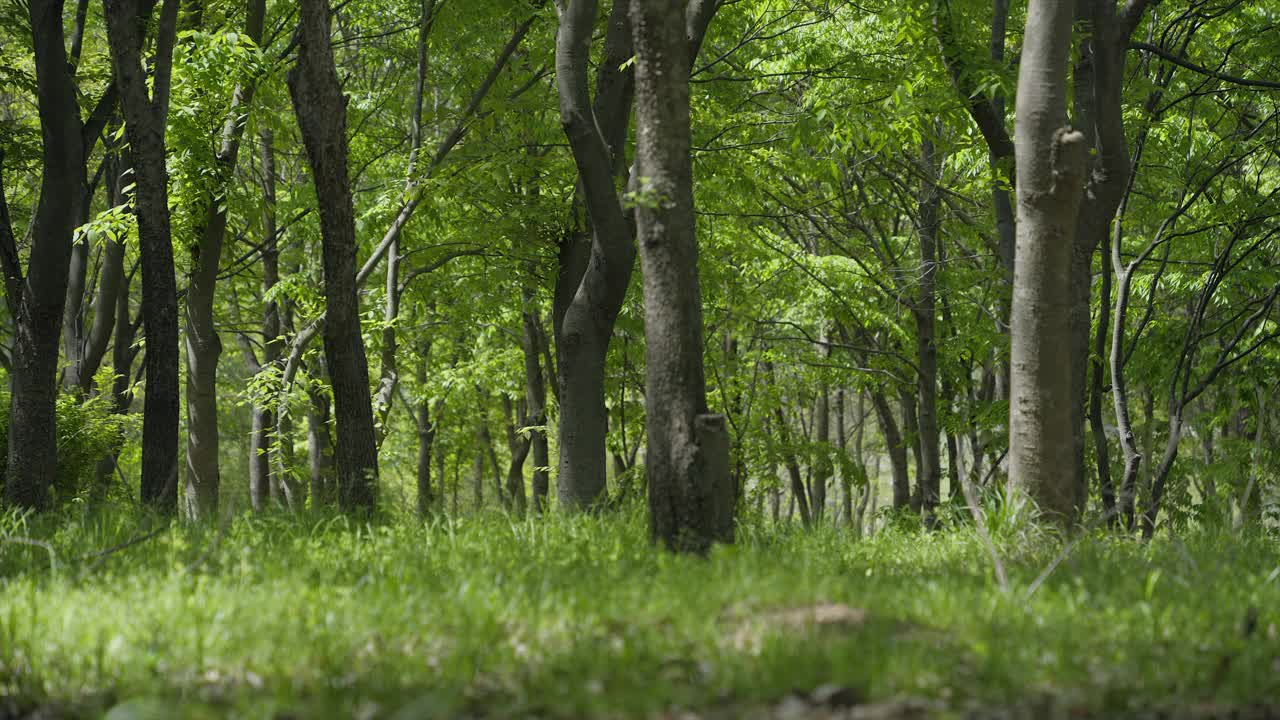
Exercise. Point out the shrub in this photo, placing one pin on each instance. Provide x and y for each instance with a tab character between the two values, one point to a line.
87	432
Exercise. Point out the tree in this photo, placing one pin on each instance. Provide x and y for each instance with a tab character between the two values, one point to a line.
1051	165
597	257
687	463
36	298
203	345
321	109
146	115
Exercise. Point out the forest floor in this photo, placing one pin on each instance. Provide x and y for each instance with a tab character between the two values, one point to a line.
280	617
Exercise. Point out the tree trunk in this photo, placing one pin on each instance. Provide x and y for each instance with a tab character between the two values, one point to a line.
536	397
518	444
687	463
1102	450
37	301
595	270
911	436
799	494
426	427
145	118
1051	164
203	345
896	447
320	461
1099	94
321	109
822	467
930	468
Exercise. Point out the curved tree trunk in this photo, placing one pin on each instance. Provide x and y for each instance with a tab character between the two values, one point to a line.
595	269
897	449
321	109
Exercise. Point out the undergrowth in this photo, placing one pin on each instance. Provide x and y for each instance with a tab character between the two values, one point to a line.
571	617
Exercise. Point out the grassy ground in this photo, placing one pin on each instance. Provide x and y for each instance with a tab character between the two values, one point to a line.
313	618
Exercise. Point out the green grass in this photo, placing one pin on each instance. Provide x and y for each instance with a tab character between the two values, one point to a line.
574	617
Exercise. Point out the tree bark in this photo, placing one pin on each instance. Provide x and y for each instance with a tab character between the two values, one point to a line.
146	115
897	449
203	346
687	462
37	300
1099	92
930	470
518	445
595	270
321	109
536	398
320	460
1051	164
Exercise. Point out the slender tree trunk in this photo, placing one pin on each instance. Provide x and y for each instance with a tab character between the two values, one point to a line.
426	443
897	449
1251	501
321	108
687	463
930	468
799	494
320	460
518	445
1102	450
425	425
203	346
536	398
264	445
821	465
145	116
1051	164
911	436
842	447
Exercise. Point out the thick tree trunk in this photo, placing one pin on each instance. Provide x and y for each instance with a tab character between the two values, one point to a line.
1051	165
321	109
687	463
145	119
1102	450
595	264
38	300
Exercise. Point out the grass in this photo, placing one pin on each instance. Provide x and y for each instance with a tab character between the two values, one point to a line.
575	617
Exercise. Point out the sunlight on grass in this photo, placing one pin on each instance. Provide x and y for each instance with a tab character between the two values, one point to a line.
574	616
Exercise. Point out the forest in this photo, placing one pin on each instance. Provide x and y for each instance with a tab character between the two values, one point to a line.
640	359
